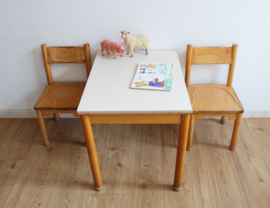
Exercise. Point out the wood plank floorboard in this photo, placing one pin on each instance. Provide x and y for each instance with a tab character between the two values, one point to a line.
137	165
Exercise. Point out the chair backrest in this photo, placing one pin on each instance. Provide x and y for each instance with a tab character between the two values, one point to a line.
211	55
52	55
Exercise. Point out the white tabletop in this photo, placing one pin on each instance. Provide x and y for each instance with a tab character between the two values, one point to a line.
108	87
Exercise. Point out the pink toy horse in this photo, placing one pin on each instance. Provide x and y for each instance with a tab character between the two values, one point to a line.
110	46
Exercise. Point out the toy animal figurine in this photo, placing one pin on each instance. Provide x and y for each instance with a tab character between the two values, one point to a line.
140	84
135	42
110	46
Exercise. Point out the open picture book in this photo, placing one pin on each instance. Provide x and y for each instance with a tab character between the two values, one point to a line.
154	76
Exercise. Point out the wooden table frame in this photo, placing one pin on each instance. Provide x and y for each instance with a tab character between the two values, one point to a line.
182	119
115	103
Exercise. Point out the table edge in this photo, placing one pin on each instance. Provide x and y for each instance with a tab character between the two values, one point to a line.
138	112
132	112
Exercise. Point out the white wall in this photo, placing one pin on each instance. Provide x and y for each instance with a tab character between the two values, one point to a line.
170	24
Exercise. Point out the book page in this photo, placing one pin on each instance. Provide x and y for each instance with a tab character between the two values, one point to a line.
154	76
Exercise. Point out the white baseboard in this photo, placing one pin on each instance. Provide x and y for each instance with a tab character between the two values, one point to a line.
256	114
17	113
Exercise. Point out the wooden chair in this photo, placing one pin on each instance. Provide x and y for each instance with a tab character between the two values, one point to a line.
213	99
61	97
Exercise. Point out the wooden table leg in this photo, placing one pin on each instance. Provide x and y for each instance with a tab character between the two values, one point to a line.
92	152
181	152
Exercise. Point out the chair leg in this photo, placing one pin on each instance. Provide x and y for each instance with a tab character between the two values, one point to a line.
42	127
190	132
223	119
236	131
56	116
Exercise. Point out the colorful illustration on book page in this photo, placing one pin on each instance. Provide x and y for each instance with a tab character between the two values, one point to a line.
157	76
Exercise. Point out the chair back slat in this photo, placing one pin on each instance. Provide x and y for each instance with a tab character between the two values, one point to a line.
66	55
211	55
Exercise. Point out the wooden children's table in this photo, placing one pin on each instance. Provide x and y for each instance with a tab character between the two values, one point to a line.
108	99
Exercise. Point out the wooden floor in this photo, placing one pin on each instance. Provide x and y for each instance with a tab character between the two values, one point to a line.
137	165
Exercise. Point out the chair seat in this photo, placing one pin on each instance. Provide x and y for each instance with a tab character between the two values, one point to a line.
64	95
214	98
